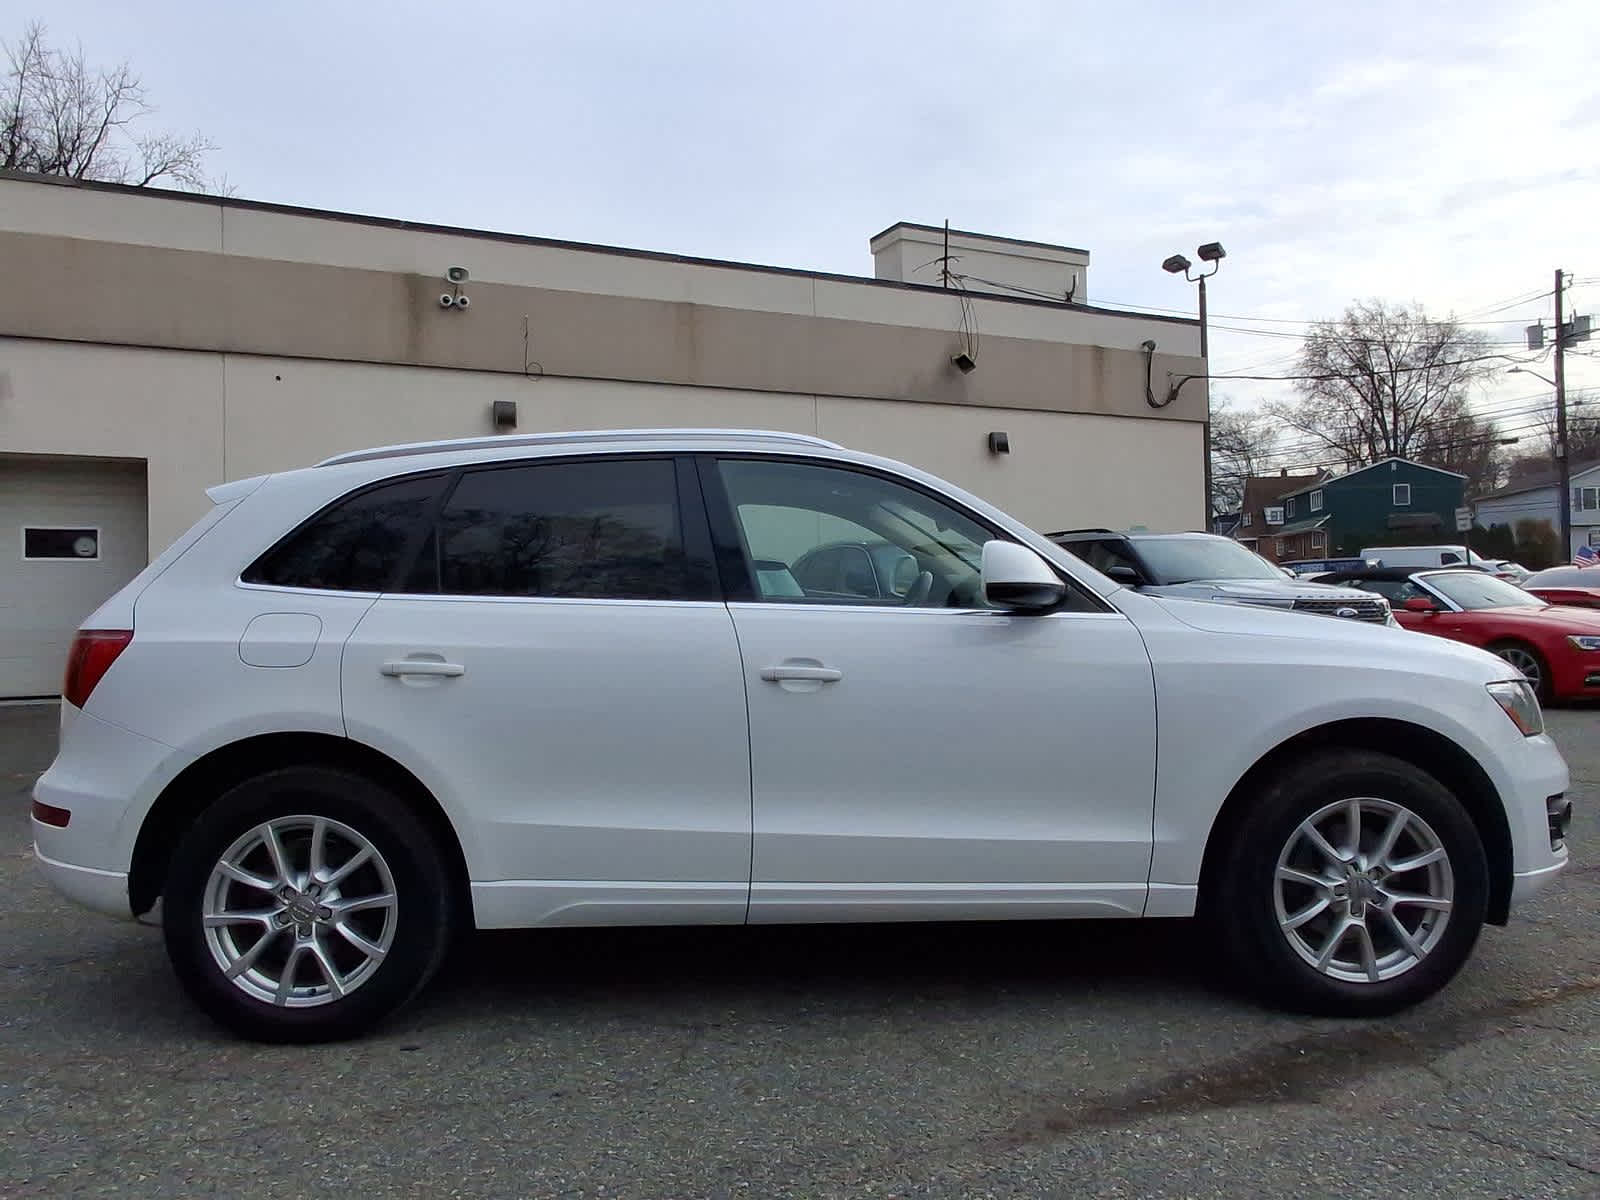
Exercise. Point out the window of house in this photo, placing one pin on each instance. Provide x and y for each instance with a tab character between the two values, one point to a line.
1281	551
1288	507
1588	498
1316	500
1246	522
356	544
1402	495
1275	515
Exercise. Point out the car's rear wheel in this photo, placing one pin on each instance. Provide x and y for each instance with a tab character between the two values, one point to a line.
1528	661
305	905
1356	885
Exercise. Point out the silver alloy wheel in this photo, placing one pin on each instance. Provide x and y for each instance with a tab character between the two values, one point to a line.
1363	890
299	911
1526	662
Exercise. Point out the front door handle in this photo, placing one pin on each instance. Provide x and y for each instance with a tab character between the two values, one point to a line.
805	674
422	666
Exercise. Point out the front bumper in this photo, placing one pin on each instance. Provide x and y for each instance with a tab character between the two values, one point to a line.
1527	884
1535	774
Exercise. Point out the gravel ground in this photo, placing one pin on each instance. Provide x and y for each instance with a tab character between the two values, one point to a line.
1087	1058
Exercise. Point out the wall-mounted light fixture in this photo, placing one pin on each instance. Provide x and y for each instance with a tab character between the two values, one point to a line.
999	443
505	415
964	363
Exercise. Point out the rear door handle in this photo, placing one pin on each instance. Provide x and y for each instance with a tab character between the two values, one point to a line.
422	666
808	674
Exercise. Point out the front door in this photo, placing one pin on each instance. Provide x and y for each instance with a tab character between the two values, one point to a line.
918	755
560	669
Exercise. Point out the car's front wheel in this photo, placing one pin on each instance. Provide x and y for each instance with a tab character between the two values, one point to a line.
306	904
1356	885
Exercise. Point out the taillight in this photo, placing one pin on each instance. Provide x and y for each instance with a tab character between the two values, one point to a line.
93	651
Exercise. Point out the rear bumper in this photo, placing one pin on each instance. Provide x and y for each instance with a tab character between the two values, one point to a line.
103	891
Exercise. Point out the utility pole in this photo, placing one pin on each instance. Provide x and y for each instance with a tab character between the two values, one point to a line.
944	263
1563	462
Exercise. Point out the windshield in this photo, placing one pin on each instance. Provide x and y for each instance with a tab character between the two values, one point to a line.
1185	559
1474	589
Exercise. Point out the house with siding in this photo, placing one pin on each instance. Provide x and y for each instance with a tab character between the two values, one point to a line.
1261	518
1538	499
1395	502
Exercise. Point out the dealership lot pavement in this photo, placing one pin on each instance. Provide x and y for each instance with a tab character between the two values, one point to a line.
1091	1058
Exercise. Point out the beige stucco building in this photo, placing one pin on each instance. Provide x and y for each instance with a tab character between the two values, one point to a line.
155	343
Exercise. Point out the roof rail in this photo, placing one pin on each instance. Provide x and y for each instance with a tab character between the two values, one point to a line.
1071	532
577	437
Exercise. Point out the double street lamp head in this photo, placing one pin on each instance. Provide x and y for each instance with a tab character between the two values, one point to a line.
1211	252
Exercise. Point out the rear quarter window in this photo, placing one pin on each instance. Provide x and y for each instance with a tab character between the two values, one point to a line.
357	544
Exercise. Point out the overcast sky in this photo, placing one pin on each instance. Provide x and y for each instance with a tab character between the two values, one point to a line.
1442	153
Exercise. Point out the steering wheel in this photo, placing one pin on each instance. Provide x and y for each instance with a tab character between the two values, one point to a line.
917	594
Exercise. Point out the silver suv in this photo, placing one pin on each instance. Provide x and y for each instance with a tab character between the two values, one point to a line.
1203	566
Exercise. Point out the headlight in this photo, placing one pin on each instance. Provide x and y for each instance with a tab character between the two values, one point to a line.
1516	697
1584	641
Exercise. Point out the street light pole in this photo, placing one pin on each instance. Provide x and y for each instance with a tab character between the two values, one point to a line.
1177	264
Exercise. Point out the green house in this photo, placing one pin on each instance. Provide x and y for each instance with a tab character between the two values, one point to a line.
1395	502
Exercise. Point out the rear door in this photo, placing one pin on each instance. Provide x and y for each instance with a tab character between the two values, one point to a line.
559	667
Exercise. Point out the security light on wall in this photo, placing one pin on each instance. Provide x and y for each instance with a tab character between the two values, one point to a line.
999	443
505	415
964	363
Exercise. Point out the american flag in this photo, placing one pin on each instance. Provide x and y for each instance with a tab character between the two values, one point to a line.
1586	556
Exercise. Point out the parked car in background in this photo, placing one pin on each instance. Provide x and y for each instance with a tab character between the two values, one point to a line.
1302	567
1422	556
540	680
1578	587
1555	647
1205	566
1504	568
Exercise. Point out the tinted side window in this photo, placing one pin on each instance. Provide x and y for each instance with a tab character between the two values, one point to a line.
356	545
608	529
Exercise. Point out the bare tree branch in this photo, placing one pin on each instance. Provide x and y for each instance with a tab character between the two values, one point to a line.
60	117
1386	377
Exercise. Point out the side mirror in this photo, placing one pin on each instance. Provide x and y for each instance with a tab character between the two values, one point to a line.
1123	575
1420	604
1015	577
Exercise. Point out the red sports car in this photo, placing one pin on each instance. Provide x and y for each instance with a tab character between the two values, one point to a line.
1577	586
1556	647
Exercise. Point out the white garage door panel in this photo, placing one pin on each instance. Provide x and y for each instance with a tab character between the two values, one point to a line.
43	601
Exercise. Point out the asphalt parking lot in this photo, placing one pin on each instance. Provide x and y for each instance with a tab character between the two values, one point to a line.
1086	1059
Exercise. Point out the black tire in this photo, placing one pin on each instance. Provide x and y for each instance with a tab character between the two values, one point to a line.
1241	907
422	915
1544	688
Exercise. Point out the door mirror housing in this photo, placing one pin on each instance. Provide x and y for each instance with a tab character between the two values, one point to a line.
1015	577
1420	604
1123	575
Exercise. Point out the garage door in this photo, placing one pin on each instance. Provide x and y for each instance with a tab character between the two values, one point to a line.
72	531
